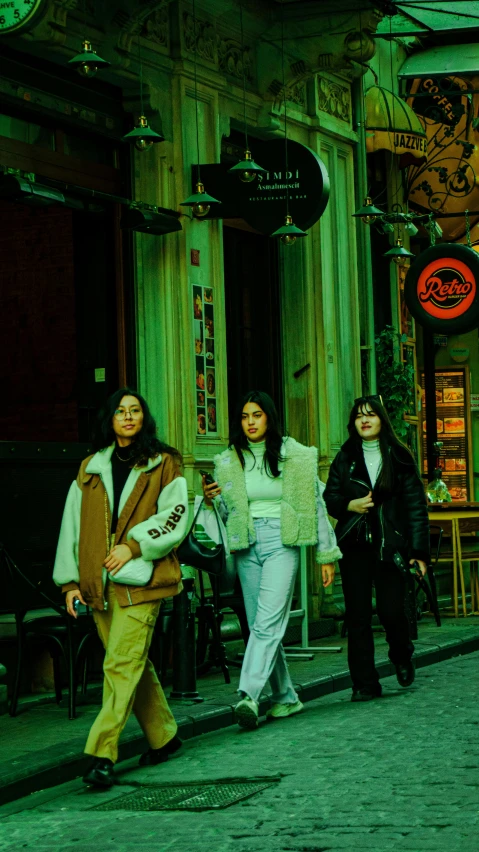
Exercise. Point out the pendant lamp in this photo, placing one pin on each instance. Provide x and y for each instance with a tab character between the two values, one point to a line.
398	253
142	136
368	213
289	232
200	202
87	63
247	170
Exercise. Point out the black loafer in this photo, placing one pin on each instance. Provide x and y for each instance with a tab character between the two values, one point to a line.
100	773
158	755
405	673
365	695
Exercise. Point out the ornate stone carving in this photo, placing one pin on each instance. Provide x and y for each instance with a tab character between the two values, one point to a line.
343	42
156	28
294	95
232	59
225	53
297	94
52	26
200	36
151	21
334	99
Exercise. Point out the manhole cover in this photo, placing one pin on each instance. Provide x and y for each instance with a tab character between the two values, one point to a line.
187	797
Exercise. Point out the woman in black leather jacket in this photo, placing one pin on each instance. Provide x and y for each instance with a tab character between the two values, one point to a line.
375	492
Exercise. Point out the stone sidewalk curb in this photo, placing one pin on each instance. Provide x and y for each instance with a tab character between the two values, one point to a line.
213	719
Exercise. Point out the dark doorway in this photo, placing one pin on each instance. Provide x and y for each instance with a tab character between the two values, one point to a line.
96	314
253	326
58	308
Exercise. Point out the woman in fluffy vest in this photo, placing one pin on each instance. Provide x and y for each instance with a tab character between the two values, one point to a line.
124	515
271	501
375	491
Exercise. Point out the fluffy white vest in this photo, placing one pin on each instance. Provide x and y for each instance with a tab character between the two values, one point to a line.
299	523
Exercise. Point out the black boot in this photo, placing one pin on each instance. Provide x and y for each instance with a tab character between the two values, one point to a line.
366	694
405	673
158	755
100	773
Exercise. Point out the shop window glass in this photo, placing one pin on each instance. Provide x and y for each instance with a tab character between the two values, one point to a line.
26	131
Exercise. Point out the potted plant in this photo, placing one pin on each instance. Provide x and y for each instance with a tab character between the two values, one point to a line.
395	380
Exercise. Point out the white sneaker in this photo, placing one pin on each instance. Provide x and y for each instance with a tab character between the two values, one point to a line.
280	711
246	713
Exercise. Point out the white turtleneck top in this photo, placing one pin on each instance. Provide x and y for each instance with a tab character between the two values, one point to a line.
264	491
373	459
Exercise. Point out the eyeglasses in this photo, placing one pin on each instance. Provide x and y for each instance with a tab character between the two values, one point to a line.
361	400
134	413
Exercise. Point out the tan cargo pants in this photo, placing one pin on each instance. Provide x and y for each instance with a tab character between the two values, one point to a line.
130	681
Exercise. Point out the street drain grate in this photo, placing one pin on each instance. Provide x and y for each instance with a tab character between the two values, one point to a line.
187	797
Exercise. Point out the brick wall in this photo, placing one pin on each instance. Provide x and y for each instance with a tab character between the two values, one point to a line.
37	324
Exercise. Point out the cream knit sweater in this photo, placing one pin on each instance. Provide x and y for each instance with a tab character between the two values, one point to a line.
264	491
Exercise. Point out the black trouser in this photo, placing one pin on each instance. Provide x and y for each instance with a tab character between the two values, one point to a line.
360	568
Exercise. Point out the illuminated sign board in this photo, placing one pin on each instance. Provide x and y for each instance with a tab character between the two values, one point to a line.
441	288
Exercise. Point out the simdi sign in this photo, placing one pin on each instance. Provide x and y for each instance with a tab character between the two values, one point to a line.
442	288
301	189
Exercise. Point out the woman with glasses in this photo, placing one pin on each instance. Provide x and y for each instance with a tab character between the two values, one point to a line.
124	515
375	491
271	500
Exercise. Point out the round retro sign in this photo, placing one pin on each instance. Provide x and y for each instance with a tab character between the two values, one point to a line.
442	288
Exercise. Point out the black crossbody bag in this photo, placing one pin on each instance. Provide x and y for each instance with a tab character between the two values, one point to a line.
198	555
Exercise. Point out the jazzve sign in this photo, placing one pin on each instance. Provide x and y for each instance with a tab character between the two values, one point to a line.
442	288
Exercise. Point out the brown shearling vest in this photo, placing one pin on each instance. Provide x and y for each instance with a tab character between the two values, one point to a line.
141	505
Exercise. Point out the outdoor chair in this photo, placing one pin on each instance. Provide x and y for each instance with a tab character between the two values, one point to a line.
225	595
160	647
39	610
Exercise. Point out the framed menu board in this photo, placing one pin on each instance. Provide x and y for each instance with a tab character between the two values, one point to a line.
453	429
204	339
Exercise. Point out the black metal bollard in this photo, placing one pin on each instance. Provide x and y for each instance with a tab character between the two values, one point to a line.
184	645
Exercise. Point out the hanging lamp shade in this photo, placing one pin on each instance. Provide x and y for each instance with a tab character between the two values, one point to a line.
392	125
142	136
149	222
247	170
288	233
368	213
87	63
24	191
398	253
200	202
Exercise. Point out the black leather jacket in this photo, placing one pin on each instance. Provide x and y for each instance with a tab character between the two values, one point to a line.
398	523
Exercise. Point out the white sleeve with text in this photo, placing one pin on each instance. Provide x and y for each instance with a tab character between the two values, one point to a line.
167	528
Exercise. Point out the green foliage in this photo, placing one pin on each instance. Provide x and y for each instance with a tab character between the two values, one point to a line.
396	380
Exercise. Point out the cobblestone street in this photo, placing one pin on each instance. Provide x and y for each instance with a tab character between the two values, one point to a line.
399	773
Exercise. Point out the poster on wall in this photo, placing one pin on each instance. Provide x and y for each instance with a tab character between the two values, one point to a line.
453	429
205	367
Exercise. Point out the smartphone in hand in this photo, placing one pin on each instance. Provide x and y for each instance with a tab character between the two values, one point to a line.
208	478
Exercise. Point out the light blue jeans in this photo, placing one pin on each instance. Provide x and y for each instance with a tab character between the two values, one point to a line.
267	571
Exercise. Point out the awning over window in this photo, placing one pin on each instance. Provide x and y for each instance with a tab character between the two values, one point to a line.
392	125
429	17
442	61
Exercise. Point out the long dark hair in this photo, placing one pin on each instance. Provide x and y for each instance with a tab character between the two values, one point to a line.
392	449
273	437
146	444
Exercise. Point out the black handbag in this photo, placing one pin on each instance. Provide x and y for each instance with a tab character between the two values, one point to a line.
198	555
410	605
